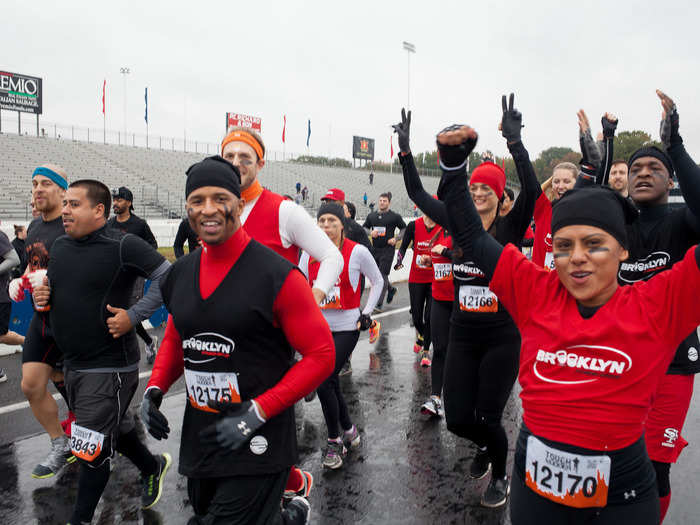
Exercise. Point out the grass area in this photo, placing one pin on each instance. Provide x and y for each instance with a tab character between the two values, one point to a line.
168	253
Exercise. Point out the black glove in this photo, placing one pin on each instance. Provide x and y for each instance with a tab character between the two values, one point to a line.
609	127
669	129
452	157
512	121
403	131
365	322
155	421
238	424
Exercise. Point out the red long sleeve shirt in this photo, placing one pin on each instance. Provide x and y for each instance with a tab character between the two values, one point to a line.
295	312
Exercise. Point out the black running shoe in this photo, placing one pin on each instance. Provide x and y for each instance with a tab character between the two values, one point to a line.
298	510
152	485
390	294
480	464
496	493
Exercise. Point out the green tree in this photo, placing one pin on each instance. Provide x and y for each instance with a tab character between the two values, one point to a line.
627	142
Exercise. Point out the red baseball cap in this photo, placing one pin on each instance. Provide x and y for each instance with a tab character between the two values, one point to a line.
334	194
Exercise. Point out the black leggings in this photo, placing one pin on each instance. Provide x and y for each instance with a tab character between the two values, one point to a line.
335	411
420	297
528	508
141	331
440	312
480	369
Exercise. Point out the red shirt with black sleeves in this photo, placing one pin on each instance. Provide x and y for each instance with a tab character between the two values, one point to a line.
590	382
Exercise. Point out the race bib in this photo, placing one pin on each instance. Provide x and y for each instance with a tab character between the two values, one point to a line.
477	299
332	300
442	271
216	386
85	444
549	261
569	479
381	230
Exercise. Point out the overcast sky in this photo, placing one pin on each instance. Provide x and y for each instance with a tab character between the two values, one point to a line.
341	64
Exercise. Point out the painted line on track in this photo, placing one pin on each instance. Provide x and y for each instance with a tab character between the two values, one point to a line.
25	404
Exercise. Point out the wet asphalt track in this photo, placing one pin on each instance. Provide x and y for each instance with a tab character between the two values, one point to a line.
407	470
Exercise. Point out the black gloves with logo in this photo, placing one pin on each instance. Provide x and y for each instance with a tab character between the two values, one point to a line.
365	322
403	131
238	424
669	129
512	120
609	127
152	417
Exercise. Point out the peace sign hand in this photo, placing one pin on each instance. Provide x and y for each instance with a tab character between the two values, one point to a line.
511	122
669	121
403	131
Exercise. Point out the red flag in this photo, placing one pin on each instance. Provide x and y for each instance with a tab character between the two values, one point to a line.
391	141
104	85
284	128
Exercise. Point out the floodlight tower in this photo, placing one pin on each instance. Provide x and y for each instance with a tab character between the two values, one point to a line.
410	48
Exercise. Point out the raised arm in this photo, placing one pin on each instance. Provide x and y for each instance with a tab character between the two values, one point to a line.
431	207
454	145
687	171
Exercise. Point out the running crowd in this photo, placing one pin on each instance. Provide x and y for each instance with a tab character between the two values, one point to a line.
266	310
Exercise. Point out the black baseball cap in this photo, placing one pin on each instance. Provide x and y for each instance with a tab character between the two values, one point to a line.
123	193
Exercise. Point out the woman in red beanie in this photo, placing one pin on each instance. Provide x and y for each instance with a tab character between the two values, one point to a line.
484	343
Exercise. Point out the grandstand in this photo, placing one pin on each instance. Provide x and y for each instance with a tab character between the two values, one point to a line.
157	177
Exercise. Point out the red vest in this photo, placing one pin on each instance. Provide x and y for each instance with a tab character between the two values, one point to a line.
421	246
443	288
263	225
342	296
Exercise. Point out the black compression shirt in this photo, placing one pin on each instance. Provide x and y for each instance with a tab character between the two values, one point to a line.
356	233
385	223
85	276
134	225
40	238
185	233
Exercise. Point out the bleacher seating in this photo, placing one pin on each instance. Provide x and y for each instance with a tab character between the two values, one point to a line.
157	177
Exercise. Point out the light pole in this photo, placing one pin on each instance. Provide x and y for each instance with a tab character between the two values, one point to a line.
410	48
124	71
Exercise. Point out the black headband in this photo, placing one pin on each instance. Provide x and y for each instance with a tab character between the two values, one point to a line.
213	171
653	151
596	206
332	208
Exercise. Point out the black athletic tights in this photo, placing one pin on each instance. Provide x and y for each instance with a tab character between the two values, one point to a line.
480	369
335	411
420	297
440	312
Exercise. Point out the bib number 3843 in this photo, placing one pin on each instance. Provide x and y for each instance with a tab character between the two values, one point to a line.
570	479
85	444
215	386
477	299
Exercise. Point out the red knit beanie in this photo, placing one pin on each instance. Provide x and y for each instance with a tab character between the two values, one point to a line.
492	175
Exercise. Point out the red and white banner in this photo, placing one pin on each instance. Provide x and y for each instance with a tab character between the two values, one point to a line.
244	121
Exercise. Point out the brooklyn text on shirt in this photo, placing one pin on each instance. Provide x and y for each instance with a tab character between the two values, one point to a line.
209	344
467	271
642	269
571	365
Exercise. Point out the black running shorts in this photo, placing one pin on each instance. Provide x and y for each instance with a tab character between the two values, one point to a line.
39	345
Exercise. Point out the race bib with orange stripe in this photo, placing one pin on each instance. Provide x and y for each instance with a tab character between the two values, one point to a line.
381	230
215	386
549	261
570	479
85	444
442	271
477	299
332	300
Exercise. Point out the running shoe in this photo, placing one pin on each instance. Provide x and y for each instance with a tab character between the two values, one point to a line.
425	358
496	493
152	485
346	370
59	456
480	464
378	309
418	345
391	292
67	424
152	350
374	331
351	438
305	490
298	511
335	452
3	375
432	407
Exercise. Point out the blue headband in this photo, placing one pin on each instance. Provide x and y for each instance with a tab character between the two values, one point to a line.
55	177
